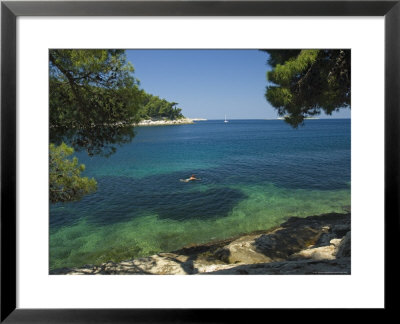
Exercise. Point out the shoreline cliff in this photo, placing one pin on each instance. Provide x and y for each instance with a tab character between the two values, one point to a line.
312	245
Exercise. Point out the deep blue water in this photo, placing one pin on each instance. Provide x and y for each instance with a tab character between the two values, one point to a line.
254	174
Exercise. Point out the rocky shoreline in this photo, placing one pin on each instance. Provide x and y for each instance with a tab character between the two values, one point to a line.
312	245
165	122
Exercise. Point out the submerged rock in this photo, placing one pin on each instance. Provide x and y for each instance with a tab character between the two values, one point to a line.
315	244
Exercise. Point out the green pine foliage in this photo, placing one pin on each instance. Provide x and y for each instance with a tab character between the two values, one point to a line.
94	101
93	98
65	181
303	83
156	108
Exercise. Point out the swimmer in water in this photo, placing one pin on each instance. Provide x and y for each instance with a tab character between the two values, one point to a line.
192	178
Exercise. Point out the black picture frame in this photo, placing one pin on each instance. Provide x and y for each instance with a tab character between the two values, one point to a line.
10	10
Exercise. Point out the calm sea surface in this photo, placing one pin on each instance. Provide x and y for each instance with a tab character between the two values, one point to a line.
254	175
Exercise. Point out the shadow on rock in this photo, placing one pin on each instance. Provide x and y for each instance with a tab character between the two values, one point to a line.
300	233
301	267
314	237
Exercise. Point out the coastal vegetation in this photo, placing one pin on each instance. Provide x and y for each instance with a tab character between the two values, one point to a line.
95	98
94	101
90	89
153	107
65	181
143	220
302	83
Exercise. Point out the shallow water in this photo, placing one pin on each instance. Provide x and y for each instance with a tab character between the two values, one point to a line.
254	175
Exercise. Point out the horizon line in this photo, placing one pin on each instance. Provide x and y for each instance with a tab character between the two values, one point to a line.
262	118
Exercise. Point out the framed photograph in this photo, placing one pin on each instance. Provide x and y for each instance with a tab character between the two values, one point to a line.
180	155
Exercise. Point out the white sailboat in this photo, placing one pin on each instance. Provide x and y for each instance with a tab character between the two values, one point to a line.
226	120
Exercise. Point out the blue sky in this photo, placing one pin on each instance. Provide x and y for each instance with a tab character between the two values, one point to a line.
209	83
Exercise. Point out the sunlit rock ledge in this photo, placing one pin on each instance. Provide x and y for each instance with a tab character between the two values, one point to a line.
165	122
311	245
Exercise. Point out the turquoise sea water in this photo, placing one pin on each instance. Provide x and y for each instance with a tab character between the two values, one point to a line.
255	174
